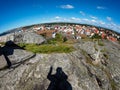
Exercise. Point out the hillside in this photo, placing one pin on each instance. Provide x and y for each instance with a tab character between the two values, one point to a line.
68	57
92	66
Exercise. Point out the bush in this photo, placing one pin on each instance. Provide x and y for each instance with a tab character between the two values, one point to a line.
96	36
59	37
64	39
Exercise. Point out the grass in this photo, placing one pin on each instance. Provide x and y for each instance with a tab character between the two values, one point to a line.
55	45
100	43
47	48
2	43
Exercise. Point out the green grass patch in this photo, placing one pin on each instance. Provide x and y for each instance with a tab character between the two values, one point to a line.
100	43
47	48
2	43
54	45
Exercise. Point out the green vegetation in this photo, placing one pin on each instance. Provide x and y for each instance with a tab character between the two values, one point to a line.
48	48
2	43
55	45
100	43
96	36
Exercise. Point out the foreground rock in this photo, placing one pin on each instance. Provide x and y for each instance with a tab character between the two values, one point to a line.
3	62
12	55
82	73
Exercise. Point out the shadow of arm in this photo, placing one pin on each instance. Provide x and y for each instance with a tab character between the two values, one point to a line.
49	76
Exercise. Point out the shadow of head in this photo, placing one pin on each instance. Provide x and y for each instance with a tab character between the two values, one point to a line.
12	45
59	70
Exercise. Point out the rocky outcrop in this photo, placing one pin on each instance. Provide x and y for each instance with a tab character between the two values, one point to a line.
13	55
28	37
23	37
82	73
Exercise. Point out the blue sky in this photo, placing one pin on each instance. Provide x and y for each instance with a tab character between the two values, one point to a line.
16	13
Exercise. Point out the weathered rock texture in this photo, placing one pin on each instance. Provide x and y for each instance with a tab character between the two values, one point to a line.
23	37
28	37
82	73
11	54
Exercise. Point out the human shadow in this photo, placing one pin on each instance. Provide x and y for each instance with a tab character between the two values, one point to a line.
7	50
58	80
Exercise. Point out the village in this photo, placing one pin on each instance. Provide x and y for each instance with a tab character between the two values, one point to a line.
73	31
70	31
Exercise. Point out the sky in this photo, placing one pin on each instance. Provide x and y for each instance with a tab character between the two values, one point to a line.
17	13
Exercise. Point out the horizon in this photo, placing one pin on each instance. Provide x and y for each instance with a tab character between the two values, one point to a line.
21	13
59	23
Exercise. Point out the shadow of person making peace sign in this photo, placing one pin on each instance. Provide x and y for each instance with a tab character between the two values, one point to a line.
58	80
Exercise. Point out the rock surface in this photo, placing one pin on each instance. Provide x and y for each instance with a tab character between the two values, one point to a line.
82	73
28	37
13	55
3	62
23	37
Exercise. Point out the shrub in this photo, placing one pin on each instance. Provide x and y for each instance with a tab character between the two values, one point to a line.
64	39
96	36
59	37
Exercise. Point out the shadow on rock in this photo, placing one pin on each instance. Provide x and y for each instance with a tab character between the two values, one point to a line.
7	50
58	80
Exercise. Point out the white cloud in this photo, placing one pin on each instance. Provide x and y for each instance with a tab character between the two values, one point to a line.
101	22
57	17
85	19
94	21
82	13
74	18
109	18
68	6
101	7
93	17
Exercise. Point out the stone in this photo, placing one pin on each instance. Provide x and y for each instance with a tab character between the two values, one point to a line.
81	72
29	37
3	62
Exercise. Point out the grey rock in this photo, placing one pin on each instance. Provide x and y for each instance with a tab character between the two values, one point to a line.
3	62
82	73
12	55
28	37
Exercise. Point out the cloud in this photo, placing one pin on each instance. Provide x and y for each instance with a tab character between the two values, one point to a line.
82	13
94	21
75	19
101	7
93	17
109	18
57	17
101	22
68	6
